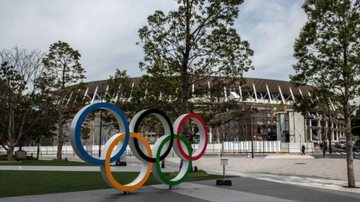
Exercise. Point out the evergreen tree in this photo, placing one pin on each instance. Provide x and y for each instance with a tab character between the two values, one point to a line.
64	70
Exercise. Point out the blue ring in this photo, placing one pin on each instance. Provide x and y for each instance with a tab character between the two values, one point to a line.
76	132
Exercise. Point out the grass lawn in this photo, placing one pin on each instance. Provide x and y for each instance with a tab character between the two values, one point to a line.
44	163
19	183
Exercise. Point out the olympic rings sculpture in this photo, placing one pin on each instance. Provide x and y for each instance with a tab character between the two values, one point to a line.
139	146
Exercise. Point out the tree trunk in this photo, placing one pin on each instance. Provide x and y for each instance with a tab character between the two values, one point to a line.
329	132
10	153
323	135
60	137
346	110
349	149
60	124
184	91
185	61
38	148
10	134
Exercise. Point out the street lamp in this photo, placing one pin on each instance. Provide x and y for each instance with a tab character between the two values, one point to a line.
102	93
100	133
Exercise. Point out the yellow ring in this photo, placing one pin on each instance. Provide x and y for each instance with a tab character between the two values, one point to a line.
137	183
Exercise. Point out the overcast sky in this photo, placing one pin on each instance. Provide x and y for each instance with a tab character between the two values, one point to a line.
105	32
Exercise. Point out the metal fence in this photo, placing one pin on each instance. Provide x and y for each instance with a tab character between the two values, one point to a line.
234	147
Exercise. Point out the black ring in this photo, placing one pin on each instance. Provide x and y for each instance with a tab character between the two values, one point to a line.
136	125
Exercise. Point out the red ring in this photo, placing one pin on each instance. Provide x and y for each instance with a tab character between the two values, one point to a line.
178	131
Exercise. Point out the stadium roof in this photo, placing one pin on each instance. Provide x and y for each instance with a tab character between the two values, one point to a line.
260	84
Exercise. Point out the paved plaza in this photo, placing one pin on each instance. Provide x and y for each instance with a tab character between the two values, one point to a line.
280	177
243	189
288	169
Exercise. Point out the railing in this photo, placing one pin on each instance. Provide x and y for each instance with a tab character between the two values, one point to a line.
258	146
234	147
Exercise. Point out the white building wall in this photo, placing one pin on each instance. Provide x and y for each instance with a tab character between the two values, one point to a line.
291	122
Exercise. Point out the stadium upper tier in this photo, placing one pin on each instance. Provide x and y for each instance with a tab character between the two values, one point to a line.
254	90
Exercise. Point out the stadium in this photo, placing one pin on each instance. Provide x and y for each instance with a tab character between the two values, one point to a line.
272	125
269	123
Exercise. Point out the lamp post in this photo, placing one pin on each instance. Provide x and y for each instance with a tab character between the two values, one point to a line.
102	93
100	133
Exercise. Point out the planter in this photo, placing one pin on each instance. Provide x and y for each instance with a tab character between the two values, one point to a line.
20	155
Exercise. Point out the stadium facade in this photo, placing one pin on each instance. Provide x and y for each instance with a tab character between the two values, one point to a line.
272	116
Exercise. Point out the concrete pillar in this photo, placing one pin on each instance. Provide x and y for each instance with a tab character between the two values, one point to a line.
319	129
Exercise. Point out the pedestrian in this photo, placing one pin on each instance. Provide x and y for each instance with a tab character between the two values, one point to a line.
303	150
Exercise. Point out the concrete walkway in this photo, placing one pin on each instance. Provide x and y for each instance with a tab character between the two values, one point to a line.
296	169
328	174
243	189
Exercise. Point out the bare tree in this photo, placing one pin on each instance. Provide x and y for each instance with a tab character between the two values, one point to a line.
19	71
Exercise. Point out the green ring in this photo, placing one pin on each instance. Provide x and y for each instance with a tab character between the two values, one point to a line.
157	162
